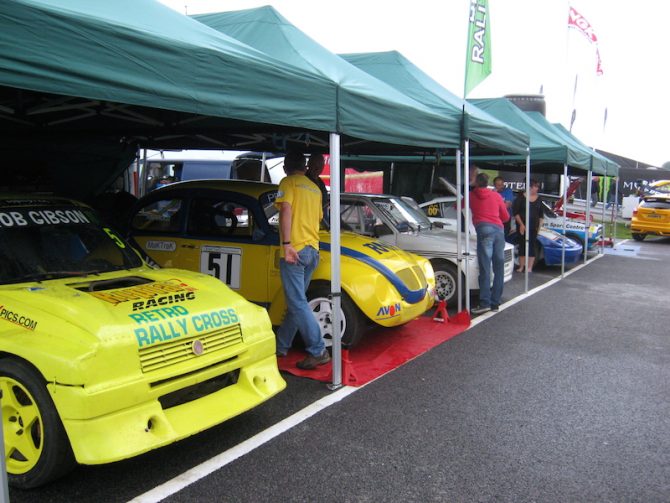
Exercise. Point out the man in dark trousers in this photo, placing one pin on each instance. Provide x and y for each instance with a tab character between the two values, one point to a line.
489	215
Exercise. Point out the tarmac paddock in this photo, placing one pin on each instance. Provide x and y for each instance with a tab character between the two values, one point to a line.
561	396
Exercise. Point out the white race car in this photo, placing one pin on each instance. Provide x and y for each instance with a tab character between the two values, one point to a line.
400	222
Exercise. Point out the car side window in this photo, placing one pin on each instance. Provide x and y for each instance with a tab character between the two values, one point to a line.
160	216
214	217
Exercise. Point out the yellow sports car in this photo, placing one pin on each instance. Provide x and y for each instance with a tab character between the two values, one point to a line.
652	216
229	229
103	357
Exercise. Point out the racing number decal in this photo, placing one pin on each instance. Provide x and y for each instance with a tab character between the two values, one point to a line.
223	263
433	210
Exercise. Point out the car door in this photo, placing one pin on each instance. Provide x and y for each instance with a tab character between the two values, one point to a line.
218	236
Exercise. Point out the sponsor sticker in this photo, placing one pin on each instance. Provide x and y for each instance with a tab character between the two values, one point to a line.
164	246
161	292
391	311
168	323
17	318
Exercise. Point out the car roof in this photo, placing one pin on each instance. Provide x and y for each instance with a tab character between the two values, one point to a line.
250	188
14	200
442	199
370	196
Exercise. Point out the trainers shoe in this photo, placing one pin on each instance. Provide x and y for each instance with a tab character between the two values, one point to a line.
495	309
480	309
280	354
311	362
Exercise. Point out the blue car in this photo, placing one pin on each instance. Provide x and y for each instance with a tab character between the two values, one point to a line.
550	248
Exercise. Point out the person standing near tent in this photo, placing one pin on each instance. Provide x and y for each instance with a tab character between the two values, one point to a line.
595	189
489	214
535	222
604	189
315	166
300	214
508	196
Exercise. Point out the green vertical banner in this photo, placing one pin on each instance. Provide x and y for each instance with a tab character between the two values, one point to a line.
478	58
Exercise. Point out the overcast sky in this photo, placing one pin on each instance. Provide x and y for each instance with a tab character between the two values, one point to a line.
532	50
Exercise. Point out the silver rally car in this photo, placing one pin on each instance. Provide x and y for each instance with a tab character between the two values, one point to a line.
400	222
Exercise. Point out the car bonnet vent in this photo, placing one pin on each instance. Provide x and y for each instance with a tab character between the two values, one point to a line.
111	284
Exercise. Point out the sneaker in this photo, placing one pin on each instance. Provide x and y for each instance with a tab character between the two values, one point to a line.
311	362
280	354
480	309
495	309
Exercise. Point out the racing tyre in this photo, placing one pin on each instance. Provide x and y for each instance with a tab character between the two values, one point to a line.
37	449
353	324
638	237
578	239
446	280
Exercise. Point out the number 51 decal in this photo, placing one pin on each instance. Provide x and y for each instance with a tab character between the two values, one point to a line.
222	262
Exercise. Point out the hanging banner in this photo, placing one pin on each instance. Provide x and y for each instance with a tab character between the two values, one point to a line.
580	23
478	57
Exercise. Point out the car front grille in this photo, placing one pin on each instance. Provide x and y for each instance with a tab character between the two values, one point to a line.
160	356
509	255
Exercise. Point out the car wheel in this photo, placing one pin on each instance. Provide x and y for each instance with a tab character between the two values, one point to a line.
37	449
576	238
446	280
352	323
638	237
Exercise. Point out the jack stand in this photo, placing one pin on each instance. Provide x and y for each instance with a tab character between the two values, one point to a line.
441	312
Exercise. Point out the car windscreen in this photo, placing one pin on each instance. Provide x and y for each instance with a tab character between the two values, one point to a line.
40	243
656	203
402	216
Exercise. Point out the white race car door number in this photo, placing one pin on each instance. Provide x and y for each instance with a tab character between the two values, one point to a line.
222	262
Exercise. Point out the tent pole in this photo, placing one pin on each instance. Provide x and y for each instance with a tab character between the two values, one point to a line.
261	175
588	208
335	279
466	186
526	240
566	184
604	187
459	230
144	178
615	212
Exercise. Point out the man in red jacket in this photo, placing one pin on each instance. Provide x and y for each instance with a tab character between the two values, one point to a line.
489	215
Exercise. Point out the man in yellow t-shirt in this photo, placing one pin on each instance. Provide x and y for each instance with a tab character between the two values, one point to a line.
300	213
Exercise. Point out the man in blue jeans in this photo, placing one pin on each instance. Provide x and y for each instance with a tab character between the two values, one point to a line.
489	215
300	214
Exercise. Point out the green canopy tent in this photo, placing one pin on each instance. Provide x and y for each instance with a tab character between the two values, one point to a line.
135	72
610	167
366	107
486	133
549	152
598	163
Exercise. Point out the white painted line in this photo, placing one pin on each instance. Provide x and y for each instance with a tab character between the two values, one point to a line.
196	473
200	471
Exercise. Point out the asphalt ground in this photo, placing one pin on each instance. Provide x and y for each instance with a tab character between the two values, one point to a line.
562	396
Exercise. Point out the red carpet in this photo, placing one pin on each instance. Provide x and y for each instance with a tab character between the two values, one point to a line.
382	350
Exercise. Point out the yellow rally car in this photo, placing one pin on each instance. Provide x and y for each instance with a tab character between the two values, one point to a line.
102	356
229	229
652	216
